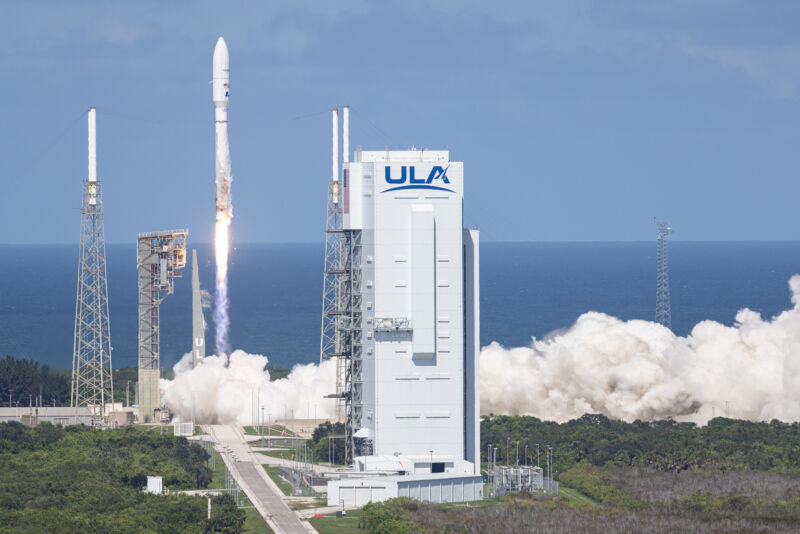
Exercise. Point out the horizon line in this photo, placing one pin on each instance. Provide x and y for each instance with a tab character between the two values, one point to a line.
492	241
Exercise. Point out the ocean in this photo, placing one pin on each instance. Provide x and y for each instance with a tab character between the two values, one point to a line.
527	289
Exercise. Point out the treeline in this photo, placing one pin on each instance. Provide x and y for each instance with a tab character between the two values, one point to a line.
661	445
22	381
79	479
328	443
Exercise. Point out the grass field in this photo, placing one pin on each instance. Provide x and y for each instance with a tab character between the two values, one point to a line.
331	524
218	475
285	487
254	523
285	454
281	443
274	430
571	495
316	503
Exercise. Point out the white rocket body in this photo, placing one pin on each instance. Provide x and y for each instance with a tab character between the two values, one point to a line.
221	92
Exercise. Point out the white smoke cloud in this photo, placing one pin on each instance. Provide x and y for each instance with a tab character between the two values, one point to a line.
224	394
640	370
206	299
625	369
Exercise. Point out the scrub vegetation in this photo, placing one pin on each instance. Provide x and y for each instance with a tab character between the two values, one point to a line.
730	476
78	479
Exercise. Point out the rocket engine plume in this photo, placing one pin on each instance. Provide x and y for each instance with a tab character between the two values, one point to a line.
221	96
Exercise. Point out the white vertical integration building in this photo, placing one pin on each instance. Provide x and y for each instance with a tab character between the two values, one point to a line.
413	389
419	310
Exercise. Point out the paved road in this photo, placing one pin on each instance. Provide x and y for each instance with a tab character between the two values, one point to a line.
259	488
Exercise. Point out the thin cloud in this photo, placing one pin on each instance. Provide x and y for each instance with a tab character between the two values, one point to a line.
775	69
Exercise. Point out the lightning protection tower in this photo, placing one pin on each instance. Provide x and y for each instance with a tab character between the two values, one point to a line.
92	384
663	312
159	257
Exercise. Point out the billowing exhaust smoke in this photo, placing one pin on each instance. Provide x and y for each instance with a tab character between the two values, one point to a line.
225	394
624	369
640	370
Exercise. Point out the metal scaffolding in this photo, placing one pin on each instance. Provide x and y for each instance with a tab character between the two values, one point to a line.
92	384
340	335
159	257
344	314
663	311
349	325
521	478
333	273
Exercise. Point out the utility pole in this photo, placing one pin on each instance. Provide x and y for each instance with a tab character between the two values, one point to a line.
489	465
128	394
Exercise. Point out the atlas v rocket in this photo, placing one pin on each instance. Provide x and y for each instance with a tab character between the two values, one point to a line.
221	92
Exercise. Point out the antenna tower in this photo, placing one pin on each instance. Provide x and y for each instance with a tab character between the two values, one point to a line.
663	312
92	384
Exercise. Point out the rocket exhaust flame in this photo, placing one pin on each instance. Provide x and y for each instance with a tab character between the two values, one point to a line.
221	319
224	206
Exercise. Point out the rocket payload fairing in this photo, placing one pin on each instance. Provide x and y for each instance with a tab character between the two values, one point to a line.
221	91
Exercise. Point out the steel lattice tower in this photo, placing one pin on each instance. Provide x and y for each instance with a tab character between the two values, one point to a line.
663	312
340	335
91	353
159	257
332	277
349	327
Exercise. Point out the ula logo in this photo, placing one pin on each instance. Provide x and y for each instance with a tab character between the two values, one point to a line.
408	176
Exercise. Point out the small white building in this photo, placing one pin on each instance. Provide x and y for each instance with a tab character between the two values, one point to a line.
183	428
154	485
436	488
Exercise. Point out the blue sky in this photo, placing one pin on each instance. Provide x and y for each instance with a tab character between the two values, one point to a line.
576	121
